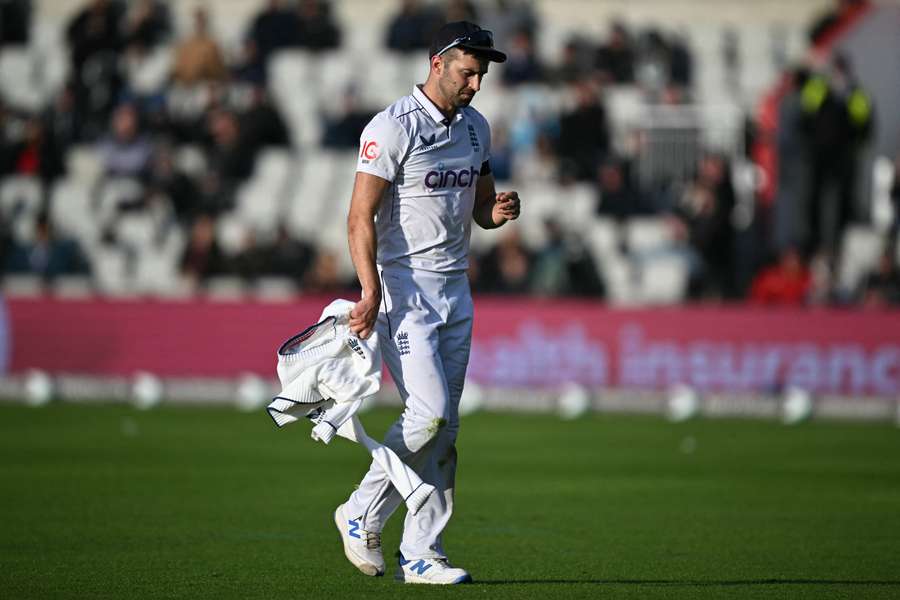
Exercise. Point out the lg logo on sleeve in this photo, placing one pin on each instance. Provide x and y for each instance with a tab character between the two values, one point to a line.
369	151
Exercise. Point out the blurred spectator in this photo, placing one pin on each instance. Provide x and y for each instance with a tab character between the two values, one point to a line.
681	63
839	119
324	276
62	122
413	27
461	10
882	287
95	30
706	210
125	152
6	244
168	182
787	283
48	256
226	152
198	58
615	59
289	257
583	134
841	10
574	64
522	64
94	38
506	268
230	162
651	70
276	27
793	162
202	257
15	22
36	154
617	198
260	124
147	24
501	152
318	30
505	18
5	142
563	267
343	130
250	261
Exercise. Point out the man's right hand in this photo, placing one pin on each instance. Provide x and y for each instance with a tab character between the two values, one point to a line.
364	314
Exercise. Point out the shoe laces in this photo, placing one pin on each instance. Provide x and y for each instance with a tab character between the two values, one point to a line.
373	540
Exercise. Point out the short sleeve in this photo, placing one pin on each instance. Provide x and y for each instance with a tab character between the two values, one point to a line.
382	147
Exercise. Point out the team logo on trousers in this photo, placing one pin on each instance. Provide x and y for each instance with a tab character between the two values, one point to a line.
402	343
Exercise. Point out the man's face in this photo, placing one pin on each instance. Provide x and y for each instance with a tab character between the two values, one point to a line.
460	77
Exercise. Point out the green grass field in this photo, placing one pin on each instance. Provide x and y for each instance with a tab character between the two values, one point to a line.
107	502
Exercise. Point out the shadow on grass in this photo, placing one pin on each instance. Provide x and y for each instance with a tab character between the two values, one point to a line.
692	582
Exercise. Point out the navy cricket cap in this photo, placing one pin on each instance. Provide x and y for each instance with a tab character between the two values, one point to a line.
469	36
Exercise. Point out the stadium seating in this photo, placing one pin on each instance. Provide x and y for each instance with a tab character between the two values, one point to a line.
860	249
307	188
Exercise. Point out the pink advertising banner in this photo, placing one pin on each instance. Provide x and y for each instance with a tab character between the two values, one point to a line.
517	343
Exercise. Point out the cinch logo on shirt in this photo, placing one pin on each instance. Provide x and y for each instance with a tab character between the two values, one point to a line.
443	179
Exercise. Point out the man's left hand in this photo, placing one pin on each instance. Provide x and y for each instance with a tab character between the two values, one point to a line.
506	207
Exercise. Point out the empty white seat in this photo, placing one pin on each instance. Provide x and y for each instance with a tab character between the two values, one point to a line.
231	234
312	192
137	231
109	265
540	201
149	74
618	279
860	250
288	70
260	202
190	159
578	205
225	288
83	164
70	210
17	83
274	164
646	234
663	279
258	206
22	286
157	269
275	289
72	287
603	239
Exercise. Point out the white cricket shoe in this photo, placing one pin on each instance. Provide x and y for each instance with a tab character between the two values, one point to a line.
361	547
436	571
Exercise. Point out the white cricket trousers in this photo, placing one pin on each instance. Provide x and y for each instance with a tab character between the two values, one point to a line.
425	327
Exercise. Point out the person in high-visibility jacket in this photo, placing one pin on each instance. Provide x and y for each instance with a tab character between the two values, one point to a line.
839	118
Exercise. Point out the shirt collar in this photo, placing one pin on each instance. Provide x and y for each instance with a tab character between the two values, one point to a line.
432	110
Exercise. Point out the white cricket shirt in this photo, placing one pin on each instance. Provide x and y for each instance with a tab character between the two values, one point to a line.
433	164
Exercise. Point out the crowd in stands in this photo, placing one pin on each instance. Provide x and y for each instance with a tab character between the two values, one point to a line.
219	101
